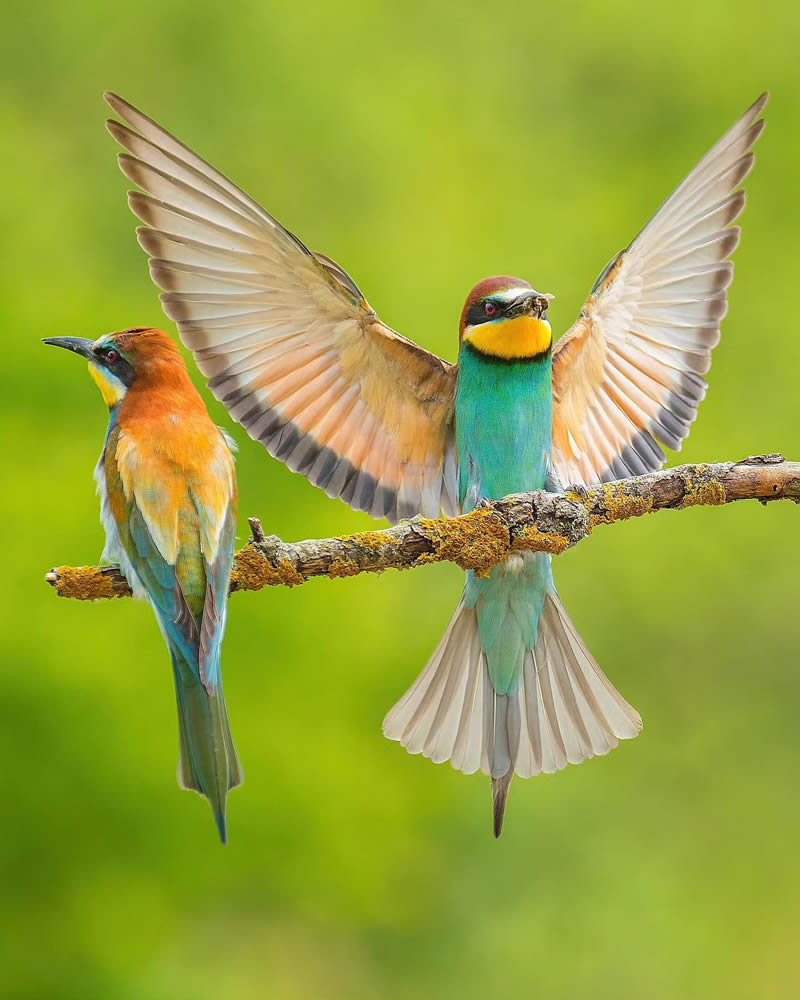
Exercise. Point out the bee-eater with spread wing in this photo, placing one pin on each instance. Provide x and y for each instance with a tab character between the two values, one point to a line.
294	351
168	504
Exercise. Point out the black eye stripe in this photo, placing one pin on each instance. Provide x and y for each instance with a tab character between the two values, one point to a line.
478	313
111	359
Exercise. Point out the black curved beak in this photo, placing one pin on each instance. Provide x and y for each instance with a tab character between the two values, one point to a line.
80	345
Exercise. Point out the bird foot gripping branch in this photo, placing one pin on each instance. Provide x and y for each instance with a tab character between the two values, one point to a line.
524	522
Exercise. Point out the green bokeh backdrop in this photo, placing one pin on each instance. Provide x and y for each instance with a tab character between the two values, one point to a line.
423	148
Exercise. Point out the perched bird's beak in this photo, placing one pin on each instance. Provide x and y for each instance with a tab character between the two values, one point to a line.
80	345
530	303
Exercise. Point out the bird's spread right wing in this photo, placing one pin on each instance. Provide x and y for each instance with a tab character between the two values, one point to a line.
628	374
287	341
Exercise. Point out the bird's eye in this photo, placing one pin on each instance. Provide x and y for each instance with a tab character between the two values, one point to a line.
489	308
111	356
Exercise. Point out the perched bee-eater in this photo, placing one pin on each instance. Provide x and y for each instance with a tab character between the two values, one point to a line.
168	504
294	351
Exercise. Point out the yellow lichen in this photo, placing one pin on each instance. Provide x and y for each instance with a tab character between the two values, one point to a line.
369	539
617	505
252	571
87	583
476	541
702	490
343	567
357	543
531	539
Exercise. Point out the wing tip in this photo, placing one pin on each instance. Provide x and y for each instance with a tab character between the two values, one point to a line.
753	125
731	241
117	104
738	203
147	240
119	132
162	274
758	104
756	129
127	163
138	202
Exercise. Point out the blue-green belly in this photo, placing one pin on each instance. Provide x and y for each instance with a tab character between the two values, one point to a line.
504	419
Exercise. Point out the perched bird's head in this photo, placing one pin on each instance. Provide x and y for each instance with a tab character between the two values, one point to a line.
117	360
506	318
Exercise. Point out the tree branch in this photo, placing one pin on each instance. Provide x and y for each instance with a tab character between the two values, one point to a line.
523	522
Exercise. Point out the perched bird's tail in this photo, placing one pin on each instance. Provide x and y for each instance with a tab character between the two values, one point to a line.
207	761
518	695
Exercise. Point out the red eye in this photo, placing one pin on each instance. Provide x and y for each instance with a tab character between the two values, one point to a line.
489	308
111	356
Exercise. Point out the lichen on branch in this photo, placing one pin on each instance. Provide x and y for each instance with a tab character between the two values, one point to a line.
523	522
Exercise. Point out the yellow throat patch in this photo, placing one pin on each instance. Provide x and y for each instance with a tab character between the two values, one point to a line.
110	387
521	337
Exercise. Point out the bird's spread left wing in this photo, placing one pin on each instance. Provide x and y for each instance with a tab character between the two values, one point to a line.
628	374
286	339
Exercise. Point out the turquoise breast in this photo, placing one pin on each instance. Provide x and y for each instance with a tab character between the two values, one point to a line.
504	432
504	425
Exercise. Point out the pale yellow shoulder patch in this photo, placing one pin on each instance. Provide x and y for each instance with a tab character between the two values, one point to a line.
213	493
157	488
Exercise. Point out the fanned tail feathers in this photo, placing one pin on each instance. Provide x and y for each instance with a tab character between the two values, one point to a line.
562	711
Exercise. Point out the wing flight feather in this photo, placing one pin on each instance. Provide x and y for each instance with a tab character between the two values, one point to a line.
628	374
286	339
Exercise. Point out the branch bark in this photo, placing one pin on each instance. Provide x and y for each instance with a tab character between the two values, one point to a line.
523	522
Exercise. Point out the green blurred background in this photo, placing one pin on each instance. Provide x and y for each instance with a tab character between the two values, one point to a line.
423	148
